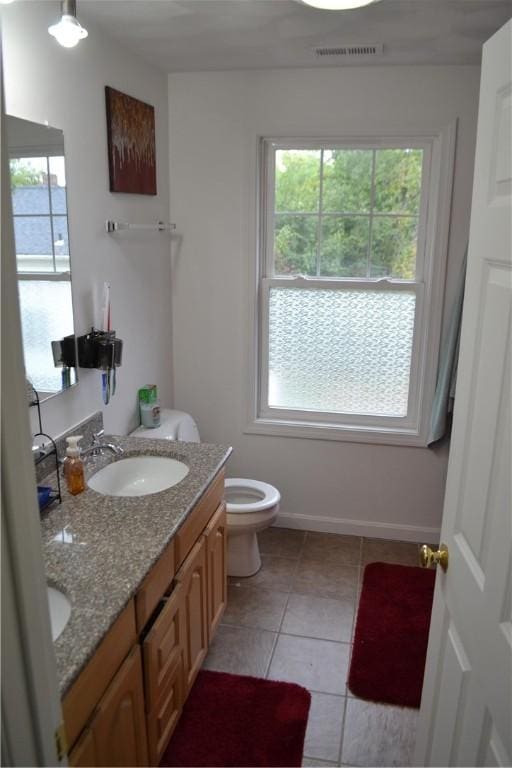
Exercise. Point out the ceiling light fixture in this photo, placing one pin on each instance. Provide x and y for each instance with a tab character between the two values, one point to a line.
337	5
68	31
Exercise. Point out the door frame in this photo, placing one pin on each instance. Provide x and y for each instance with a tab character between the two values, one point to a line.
31	712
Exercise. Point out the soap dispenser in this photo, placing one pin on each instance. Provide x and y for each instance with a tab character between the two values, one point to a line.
73	466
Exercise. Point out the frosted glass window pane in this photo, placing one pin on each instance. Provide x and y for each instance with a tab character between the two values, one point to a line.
340	351
46	315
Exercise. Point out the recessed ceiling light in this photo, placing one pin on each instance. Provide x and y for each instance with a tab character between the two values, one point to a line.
68	31
337	5
6	2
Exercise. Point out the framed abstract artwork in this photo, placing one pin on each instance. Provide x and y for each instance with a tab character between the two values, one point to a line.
131	144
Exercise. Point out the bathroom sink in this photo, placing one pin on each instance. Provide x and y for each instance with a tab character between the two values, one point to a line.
60	610
138	476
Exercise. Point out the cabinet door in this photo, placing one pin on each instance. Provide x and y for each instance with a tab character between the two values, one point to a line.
192	575
216	553
163	674
80	702
118	729
84	754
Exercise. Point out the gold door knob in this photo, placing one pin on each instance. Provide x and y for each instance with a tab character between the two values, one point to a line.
429	557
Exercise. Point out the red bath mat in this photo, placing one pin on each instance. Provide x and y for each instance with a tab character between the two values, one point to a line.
230	720
390	642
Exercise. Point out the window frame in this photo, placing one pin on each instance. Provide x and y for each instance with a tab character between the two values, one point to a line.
433	228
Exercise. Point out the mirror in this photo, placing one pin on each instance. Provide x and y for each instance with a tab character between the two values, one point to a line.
40	217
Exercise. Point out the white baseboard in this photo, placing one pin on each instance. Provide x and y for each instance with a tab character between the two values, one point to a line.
373	530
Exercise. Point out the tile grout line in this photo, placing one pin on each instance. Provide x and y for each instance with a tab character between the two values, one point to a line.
278	634
321	639
273	650
342	735
324	693
285	607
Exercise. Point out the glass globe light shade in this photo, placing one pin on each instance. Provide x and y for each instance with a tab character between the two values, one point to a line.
337	5
68	31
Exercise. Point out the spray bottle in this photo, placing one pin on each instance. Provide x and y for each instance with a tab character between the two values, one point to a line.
73	466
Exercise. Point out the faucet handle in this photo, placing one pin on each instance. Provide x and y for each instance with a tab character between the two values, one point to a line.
96	436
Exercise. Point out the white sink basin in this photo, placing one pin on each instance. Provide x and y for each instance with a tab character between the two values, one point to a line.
138	476
60	611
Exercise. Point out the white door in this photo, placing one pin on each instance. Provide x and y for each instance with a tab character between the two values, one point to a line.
466	715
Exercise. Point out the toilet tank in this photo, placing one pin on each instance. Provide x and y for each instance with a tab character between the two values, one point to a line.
174	425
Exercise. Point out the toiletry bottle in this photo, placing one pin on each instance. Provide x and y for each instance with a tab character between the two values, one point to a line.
149	406
74	466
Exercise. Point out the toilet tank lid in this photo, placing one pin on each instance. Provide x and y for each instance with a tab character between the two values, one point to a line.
174	425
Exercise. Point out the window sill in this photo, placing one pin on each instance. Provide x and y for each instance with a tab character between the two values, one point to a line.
338	432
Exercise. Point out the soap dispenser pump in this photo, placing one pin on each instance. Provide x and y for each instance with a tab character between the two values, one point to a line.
73	466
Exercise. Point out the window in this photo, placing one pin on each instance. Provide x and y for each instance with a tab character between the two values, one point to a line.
38	187
346	277
40	214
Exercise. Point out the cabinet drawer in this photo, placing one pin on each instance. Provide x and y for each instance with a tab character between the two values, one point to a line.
196	522
163	718
162	649
154	587
82	698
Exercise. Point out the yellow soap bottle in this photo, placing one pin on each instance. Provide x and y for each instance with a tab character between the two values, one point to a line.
73	466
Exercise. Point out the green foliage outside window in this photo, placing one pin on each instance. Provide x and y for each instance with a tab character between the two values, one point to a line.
367	225
23	175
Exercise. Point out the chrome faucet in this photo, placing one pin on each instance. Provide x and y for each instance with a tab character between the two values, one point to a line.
97	449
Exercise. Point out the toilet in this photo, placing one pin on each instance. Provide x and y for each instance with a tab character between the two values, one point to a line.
251	505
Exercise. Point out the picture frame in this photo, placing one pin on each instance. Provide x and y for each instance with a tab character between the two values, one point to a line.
131	144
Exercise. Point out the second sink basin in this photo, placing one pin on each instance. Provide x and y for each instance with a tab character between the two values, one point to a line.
60	610
138	476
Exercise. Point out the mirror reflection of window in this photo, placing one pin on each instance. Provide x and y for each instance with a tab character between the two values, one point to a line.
38	187
46	315
40	214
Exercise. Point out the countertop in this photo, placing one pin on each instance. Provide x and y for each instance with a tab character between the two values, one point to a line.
98	549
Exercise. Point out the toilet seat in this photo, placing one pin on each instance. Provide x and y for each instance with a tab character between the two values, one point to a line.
249	495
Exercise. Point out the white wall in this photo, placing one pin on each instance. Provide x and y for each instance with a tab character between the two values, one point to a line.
44	82
215	121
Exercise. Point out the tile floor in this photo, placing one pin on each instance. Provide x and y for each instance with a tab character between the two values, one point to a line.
294	621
